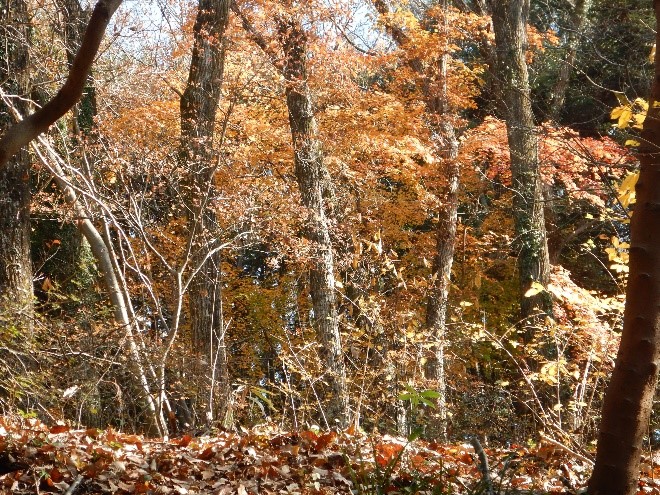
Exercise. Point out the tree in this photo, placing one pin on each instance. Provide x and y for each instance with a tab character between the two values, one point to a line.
17	136
439	116
75	20
629	398
198	106
510	25
73	249
315	191
16	293
577	18
20	134
314	184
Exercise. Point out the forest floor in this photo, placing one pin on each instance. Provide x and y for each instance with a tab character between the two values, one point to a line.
35	458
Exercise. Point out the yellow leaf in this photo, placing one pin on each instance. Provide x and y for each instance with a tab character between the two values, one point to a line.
616	112
632	142
627	189
639	120
642	103
652	54
534	289
465	304
624	118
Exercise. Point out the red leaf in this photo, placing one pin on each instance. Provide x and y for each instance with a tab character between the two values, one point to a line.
184	441
59	429
325	440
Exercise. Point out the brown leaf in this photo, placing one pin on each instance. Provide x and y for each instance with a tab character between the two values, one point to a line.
59	428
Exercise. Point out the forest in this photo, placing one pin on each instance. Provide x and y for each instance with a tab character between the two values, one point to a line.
329	246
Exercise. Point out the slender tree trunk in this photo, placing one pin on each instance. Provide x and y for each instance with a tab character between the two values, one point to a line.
510	25
199	104
436	311
75	20
16	293
629	397
446	144
315	188
578	18
116	293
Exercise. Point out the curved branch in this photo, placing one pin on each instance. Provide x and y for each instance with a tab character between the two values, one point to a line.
28	129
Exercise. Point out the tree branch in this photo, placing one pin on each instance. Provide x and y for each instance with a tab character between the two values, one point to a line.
395	32
28	129
257	38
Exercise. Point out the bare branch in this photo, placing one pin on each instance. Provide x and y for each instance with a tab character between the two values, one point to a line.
28	129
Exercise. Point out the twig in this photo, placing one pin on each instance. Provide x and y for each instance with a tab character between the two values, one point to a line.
74	486
563	447
483	464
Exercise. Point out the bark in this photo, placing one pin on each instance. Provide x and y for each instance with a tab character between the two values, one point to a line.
16	292
437	304
20	134
446	144
198	105
629	397
314	184
75	21
578	18
510	23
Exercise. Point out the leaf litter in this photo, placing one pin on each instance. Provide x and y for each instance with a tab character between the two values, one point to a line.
36	458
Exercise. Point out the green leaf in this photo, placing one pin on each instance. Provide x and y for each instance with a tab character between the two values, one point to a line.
415	434
431	394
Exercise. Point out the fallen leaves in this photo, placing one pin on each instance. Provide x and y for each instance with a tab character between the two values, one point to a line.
35	458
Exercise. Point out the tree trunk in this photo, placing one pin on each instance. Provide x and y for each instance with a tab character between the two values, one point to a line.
629	397
436	311
199	104
75	20
18	135
510	24
446	144
314	184
21	133
16	293
578	18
